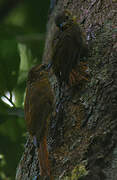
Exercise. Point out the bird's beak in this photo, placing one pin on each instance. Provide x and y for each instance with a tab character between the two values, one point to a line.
62	25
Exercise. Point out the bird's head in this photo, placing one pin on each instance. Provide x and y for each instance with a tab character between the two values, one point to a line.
64	19
37	73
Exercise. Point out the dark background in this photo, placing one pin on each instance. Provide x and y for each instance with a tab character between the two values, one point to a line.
22	37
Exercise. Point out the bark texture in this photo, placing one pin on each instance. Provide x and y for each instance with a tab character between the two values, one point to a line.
83	134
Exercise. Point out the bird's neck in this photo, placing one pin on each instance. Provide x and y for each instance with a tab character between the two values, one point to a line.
67	26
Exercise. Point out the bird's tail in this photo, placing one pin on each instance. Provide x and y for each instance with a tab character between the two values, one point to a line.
43	159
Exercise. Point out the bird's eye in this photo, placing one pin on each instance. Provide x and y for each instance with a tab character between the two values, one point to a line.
67	17
61	25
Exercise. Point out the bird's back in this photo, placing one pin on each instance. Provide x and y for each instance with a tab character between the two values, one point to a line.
67	49
38	107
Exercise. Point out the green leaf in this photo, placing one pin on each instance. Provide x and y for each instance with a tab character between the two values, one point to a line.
10	32
9	65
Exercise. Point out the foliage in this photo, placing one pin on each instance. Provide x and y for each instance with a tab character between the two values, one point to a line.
22	35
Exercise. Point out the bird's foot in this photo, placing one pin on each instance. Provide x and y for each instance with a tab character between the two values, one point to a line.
49	66
35	142
42	178
36	178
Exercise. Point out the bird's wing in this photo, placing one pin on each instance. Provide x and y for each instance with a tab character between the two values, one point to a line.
27	107
65	52
39	108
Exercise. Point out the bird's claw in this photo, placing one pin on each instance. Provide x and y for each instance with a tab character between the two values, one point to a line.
41	178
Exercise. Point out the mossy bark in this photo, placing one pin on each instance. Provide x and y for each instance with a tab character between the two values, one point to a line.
84	146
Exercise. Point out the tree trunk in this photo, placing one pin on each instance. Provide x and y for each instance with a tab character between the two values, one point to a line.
84	143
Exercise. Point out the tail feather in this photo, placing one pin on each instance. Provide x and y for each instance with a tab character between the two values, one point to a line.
43	158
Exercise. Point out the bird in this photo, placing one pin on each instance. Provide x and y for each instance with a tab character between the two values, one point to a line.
38	108
68	47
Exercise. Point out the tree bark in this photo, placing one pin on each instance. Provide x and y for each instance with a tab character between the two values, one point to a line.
84	143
